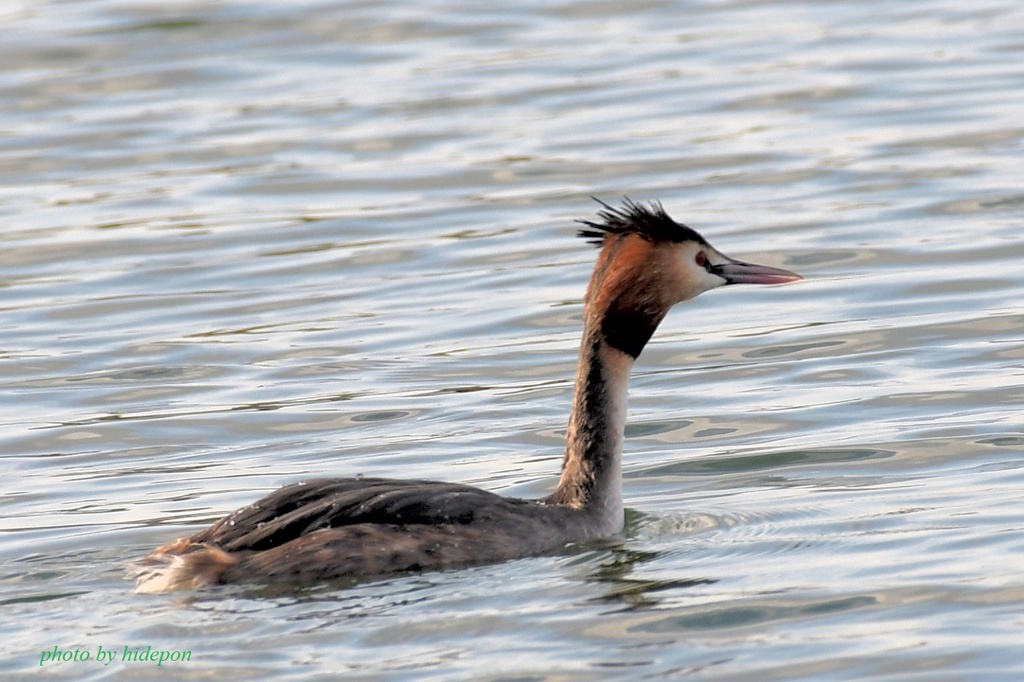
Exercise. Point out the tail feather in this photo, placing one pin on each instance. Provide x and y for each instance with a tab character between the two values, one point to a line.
181	565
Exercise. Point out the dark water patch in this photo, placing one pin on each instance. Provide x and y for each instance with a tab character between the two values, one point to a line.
743	616
723	464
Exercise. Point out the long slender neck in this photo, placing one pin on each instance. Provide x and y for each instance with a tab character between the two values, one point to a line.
619	317
592	469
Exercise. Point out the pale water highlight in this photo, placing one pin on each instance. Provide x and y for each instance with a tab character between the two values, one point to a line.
246	244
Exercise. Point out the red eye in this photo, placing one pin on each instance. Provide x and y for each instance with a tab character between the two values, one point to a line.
702	259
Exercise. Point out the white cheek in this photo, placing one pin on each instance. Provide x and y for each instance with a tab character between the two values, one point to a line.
696	283
713	281
691	279
708	281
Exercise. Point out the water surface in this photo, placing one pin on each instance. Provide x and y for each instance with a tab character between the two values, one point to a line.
244	244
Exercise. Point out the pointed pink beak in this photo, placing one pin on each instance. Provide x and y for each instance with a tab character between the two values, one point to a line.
736	272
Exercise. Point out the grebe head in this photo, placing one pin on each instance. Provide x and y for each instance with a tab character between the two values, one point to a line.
656	245
648	263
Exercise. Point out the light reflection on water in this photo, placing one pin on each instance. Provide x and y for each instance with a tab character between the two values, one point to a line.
245	244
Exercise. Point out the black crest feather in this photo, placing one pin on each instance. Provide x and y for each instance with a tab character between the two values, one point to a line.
649	221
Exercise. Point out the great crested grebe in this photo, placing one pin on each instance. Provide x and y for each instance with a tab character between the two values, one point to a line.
358	527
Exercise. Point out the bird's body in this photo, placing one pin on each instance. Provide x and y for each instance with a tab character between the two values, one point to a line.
351	527
356	527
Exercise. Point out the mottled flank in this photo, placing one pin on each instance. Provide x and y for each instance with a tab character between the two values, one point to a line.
356	527
649	221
